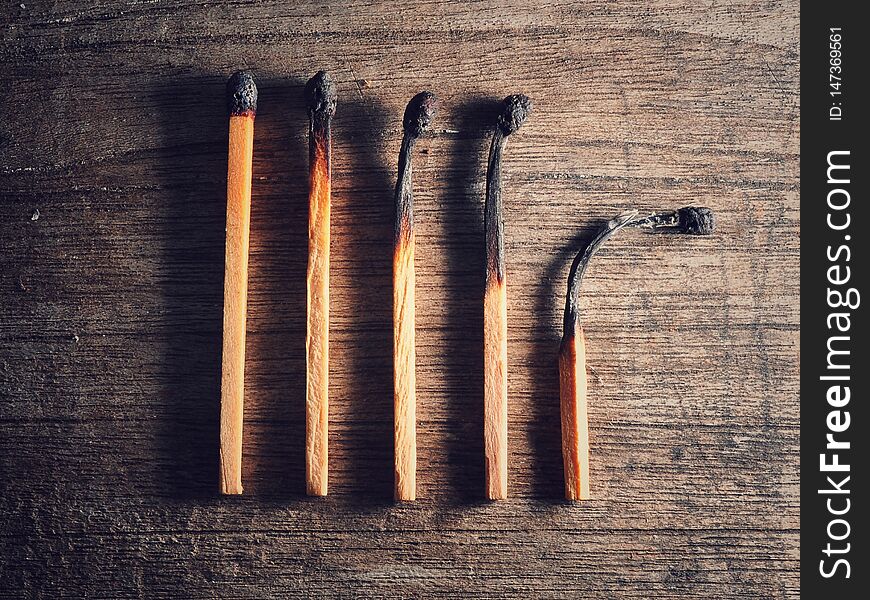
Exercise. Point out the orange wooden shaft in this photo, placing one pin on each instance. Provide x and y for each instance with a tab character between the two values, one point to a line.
575	417
495	427
241	151
404	376
317	339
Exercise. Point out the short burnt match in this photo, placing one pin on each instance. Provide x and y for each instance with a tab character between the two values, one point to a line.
514	111
419	114
696	220
320	95
242	94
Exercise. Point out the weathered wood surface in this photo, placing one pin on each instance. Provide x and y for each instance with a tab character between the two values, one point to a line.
112	175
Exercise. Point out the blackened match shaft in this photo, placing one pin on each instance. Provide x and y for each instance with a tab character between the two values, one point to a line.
418	116
321	98
514	111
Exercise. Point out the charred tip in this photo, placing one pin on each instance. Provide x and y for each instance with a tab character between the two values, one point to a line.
419	113
320	95
241	93
697	220
514	111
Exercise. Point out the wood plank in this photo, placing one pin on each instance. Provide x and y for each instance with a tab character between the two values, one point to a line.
112	200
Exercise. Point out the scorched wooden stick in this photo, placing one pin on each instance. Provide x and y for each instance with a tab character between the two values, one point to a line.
242	106
418	116
321	98
572	351
514	111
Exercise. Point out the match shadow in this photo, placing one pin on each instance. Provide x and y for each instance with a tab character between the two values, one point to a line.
463	350
274	430
365	274
192	175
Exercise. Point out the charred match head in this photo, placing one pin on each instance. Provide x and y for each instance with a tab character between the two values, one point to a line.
419	114
514	111
694	220
320	96
242	94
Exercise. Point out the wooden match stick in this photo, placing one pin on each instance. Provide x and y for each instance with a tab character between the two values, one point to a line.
242	106
320	97
572	370
514	111
572	351
418	116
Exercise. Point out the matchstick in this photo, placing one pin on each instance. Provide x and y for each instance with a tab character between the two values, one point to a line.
418	116
242	106
514	111
572	350
320	97
572	370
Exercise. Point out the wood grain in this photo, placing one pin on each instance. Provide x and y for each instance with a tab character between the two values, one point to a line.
114	129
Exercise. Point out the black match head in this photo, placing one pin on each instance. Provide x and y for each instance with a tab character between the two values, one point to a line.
697	220
419	113
514	110
241	94
320	95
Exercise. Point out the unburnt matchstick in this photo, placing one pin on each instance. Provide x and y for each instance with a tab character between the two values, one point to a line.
321	98
572	350
418	116
242	108
514	111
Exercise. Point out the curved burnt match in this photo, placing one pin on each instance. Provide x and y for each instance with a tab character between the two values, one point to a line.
242	94
572	350
581	263
320	96
514	111
418	116
694	220
242	107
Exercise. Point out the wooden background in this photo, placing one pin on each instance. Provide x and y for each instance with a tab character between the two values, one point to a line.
112	175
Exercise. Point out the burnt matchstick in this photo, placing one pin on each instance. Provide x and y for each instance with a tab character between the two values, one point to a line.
242	107
320	97
513	113
572	350
418	116
694	220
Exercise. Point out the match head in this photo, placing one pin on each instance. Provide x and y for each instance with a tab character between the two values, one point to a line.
514	110
419	113
320	95
696	220
241	94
